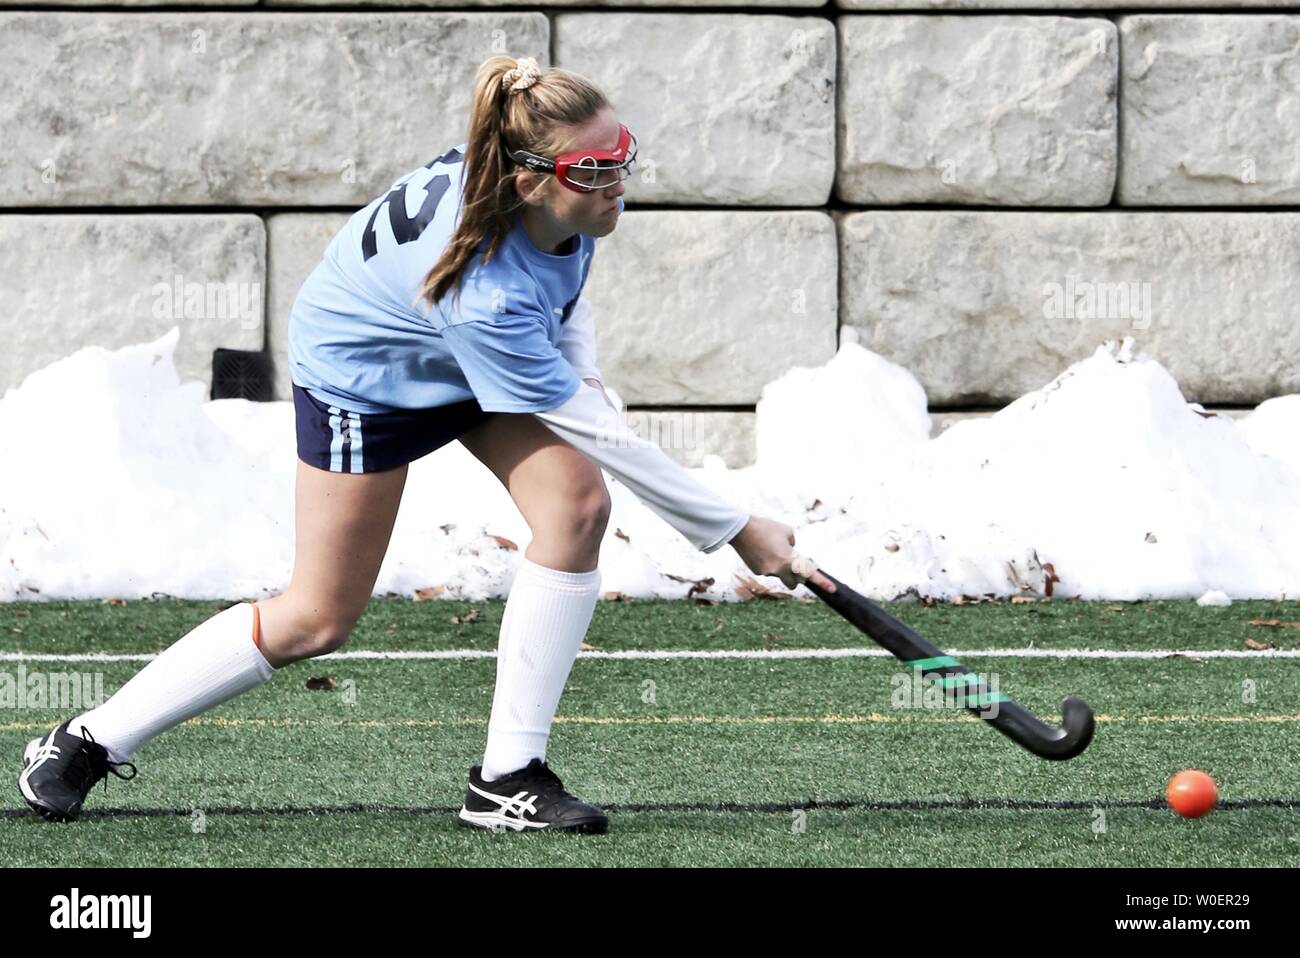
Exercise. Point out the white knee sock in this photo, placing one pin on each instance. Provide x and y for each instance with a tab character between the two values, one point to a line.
215	661
545	619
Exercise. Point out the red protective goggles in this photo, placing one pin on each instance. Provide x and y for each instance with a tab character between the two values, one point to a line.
585	170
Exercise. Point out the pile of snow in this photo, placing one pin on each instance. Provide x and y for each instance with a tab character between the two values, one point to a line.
117	479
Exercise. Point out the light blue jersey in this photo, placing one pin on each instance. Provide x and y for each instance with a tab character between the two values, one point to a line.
359	339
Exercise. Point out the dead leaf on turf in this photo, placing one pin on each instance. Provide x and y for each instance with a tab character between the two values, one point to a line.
323	683
1051	580
701	586
1275	623
749	588
471	616
1259	646
770	639
697	585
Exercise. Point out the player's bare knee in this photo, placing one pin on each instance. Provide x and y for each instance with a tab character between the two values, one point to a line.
316	632
329	637
330	630
589	514
580	513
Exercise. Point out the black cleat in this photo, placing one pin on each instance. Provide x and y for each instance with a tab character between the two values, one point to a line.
530	799
60	769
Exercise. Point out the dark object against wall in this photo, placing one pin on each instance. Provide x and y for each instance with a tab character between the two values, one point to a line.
241	374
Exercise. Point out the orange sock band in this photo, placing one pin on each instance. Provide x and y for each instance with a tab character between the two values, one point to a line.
257	626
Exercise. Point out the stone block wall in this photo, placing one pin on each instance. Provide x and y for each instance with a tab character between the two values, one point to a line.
978	194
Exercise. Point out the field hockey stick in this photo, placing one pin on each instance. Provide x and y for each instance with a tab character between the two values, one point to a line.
913	649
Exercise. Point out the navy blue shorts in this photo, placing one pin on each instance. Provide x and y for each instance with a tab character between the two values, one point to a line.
337	440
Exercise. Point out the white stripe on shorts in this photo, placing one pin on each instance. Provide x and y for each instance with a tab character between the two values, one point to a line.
355	421
336	440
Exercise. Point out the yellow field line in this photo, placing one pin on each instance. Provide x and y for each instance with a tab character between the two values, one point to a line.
863	719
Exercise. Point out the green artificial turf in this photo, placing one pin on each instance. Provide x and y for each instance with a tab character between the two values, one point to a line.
699	761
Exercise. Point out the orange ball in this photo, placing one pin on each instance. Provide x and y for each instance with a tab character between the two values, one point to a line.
1192	793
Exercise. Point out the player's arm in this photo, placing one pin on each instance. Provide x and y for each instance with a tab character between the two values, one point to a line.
578	345
512	366
592	426
704	518
578	341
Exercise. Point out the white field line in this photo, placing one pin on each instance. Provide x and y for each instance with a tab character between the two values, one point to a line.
639	654
869	718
